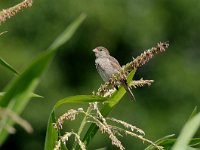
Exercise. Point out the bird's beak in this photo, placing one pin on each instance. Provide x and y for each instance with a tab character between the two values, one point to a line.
95	50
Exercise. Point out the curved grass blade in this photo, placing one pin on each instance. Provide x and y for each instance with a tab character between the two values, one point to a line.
163	141
19	91
80	99
8	66
107	108
195	142
68	33
168	143
194	112
191	148
52	134
187	133
1	33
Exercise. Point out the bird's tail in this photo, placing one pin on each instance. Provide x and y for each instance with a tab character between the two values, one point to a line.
128	90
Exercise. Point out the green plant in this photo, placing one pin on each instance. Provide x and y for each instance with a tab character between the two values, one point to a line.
185	141
18	92
109	99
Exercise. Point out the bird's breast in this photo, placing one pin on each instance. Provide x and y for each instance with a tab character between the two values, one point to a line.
105	68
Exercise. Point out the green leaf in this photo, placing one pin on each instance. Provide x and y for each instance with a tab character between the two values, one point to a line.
33	95
167	142
194	112
63	146
36	96
191	148
19	91
164	141
195	142
107	108
80	99
20	87
51	136
68	33
8	66
187	133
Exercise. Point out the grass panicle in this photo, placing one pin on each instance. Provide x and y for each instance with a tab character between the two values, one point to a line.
106	89
65	138
95	116
12	11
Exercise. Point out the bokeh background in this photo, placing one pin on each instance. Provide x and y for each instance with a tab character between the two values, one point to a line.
126	28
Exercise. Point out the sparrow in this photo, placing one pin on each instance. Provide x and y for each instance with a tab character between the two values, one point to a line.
107	66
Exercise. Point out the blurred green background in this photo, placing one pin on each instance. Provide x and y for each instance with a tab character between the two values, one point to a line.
126	28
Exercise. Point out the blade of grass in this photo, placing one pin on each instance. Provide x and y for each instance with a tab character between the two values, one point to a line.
19	91
194	112
68	33
195	142
1	33
191	148
52	134
162	141
33	95
107	108
80	99
8	66
168	143
187	133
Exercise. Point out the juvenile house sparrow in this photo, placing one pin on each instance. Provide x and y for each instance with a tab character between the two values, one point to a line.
107	66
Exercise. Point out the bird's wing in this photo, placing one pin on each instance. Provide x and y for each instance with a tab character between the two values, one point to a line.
114	63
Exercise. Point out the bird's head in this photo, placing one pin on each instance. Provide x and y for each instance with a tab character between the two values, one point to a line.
101	51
